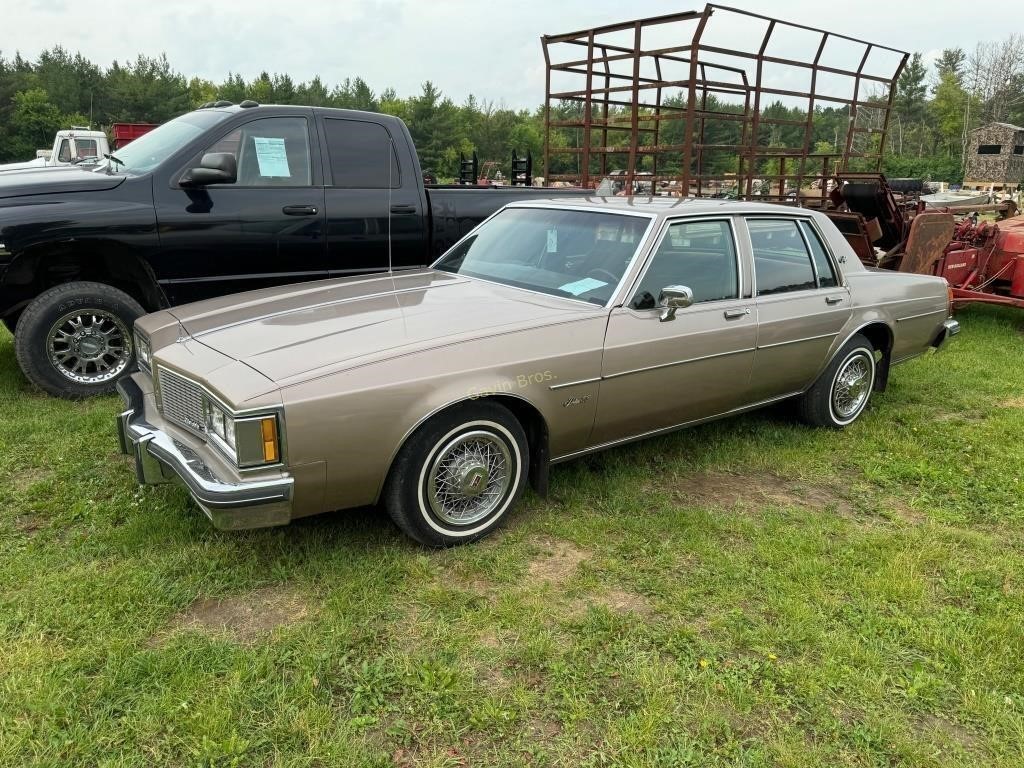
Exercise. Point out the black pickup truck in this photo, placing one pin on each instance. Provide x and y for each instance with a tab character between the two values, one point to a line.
226	198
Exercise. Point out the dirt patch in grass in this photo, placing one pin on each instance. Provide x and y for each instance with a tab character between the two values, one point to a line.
929	725
243	618
1013	402
557	562
29	525
624	601
728	490
26	478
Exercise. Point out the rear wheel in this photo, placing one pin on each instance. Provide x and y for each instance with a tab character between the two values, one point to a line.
75	340
842	391
456	477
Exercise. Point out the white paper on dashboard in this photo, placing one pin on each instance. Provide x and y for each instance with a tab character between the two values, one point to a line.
271	156
582	286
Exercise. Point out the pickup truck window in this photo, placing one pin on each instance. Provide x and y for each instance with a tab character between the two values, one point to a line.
64	153
271	152
362	155
577	254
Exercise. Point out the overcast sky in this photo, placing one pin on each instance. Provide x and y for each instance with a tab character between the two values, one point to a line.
489	49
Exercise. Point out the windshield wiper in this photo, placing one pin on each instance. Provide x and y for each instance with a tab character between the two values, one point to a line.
114	159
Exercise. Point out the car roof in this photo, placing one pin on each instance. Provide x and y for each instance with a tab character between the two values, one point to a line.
664	207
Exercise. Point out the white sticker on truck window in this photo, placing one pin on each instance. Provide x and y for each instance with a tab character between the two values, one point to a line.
582	286
271	156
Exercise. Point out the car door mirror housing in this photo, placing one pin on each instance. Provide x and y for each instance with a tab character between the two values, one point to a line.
672	298
214	168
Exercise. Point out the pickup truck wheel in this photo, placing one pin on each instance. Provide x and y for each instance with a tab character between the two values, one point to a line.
458	474
75	340
842	391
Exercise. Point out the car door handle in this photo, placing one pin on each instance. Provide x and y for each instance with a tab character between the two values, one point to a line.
299	210
732	314
833	299
401	210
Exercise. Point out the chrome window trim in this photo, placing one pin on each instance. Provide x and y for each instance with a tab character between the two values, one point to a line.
236	415
659	238
641	243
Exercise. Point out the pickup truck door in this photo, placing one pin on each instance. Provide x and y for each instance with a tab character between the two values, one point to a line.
657	375
267	228
374	199
800	302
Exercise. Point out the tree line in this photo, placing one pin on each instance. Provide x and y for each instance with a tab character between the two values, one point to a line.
932	114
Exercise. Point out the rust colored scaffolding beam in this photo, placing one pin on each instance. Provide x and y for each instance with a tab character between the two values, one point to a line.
662	111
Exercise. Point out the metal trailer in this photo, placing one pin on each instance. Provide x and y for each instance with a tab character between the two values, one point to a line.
626	84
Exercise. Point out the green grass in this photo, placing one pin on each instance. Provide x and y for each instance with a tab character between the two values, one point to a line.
748	593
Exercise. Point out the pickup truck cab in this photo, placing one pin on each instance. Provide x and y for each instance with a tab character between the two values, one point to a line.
69	148
223	199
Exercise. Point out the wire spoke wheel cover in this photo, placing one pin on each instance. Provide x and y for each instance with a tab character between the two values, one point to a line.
469	477
89	346
852	385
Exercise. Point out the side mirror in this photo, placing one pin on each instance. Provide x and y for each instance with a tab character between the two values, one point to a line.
214	168
674	297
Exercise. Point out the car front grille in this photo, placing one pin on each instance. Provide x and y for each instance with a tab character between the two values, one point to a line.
181	401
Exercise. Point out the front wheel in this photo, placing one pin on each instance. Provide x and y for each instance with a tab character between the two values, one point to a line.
75	340
456	477
842	391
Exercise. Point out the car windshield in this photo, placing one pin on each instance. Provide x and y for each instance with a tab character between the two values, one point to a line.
577	254
148	151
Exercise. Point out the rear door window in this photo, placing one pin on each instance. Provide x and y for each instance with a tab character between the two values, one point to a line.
781	261
362	155
822	264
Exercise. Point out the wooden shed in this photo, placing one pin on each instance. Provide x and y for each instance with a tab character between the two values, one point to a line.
995	157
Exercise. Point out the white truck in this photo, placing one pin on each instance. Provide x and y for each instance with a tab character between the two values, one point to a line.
72	146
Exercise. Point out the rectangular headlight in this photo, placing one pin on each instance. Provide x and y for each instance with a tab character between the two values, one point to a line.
220	423
252	441
143	352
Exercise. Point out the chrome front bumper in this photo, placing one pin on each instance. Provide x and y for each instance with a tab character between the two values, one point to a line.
160	458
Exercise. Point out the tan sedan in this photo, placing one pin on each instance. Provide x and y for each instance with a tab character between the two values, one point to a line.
551	330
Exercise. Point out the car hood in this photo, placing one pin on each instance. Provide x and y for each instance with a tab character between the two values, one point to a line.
59	180
291	333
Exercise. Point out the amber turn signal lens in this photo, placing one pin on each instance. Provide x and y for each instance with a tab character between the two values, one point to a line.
269	428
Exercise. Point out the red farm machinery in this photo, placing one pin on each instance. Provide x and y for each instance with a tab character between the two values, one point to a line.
722	102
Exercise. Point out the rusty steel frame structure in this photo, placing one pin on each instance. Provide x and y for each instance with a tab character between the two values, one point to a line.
710	72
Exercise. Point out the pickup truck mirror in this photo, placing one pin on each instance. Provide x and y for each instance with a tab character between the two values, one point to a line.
214	168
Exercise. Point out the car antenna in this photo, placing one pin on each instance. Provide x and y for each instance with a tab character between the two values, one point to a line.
390	149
